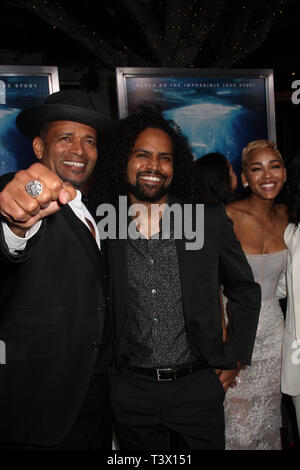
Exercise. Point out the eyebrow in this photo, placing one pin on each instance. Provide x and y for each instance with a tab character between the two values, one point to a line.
261	163
90	136
149	152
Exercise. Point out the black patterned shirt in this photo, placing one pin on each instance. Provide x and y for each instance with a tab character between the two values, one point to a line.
156	307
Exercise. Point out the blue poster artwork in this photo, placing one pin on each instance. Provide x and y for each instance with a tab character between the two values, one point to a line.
216	114
17	93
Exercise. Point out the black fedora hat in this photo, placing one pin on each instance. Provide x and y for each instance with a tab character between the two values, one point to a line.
66	105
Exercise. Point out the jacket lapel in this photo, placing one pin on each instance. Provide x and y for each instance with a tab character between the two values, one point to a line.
120	282
86	240
185	267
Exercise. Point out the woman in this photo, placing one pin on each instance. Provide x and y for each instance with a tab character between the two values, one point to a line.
214	179
290	373
252	409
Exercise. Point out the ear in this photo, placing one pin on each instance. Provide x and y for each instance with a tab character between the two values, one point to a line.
284	174
244	180
38	147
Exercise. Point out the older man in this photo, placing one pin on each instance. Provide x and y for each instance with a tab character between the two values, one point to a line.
53	392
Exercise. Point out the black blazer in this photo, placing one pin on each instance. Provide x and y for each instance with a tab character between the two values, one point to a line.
222	255
52	315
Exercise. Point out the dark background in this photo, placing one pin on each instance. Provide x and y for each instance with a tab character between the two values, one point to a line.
88	39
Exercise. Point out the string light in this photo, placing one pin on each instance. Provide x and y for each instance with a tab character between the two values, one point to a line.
188	14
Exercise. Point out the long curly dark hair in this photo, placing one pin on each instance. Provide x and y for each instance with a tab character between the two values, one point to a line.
293	190
109	178
211	179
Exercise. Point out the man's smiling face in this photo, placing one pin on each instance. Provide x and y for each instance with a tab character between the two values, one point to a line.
69	149
150	166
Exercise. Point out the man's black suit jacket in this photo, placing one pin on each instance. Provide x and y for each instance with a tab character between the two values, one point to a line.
52	317
200	271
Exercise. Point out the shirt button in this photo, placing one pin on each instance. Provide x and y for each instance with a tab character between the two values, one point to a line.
94	346
153	291
151	261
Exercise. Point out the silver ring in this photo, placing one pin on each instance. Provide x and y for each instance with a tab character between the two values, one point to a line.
34	188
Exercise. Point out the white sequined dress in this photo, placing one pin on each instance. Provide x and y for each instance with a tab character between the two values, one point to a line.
253	407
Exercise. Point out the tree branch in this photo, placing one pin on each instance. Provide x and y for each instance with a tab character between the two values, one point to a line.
200	24
60	19
228	58
149	27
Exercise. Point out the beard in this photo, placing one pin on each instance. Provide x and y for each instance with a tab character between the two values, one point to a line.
141	194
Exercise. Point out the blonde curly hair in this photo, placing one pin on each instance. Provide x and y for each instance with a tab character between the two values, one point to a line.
258	145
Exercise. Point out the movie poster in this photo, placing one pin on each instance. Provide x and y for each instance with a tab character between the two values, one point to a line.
17	92
217	114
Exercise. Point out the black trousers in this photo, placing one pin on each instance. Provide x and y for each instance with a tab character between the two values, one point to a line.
181	414
92	429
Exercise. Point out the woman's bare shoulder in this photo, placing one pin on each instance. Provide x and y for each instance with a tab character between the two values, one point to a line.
236	209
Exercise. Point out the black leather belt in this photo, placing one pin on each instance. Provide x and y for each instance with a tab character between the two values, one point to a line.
170	373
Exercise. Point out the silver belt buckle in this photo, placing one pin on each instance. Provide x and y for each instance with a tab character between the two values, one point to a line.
159	371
